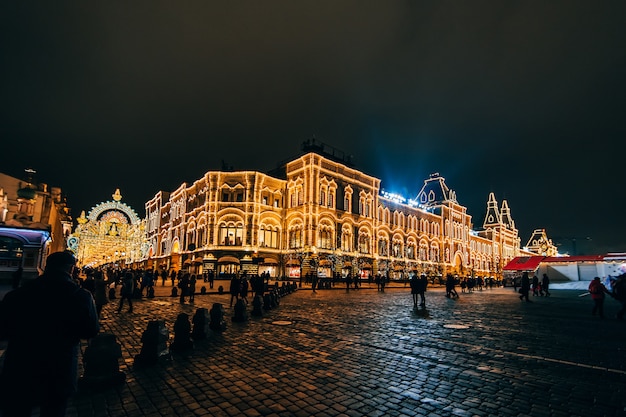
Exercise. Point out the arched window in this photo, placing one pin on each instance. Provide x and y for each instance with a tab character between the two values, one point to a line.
268	237
295	237
231	234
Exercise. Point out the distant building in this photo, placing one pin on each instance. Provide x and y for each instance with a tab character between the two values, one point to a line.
34	221
540	244
319	215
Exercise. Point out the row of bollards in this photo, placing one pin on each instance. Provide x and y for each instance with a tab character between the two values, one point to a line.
101	366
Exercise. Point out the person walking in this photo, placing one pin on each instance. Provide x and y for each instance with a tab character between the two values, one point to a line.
545	284
183	285
597	291
192	288
535	286
450	284
243	292
126	293
421	289
100	292
414	284
43	323
524	288
234	289
619	293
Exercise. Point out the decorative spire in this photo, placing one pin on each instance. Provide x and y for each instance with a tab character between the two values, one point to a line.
117	196
492	218
505	215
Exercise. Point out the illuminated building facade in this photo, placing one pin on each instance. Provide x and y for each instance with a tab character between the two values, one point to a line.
321	216
111	234
34	222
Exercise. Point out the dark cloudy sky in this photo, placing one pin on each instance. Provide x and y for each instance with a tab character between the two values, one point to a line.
523	99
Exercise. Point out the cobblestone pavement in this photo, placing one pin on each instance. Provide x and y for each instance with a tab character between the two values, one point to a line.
367	353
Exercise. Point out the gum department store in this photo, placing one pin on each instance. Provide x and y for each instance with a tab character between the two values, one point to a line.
319	215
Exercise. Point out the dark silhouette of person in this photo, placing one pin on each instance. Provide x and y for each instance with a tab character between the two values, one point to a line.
183	284
243	288
450	284
545	283
524	288
126	293
192	288
234	289
100	294
414	284
43	323
421	289
619	293
597	291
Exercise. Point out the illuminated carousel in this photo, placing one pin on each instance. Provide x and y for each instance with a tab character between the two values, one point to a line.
111	234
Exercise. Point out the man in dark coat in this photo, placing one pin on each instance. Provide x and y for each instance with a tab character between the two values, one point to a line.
43	323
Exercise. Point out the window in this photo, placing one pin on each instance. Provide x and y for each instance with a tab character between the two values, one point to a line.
295	238
326	239
264	200
239	197
276	203
225	196
382	247
346	203
322	198
331	200
268	237
231	235
364	244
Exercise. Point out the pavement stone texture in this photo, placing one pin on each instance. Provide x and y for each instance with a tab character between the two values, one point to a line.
369	353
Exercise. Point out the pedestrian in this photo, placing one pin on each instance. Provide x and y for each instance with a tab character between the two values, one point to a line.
450	284
243	288
535	286
126	293
183	285
163	277
192	288
43	323
524	288
619	293
545	283
414	284
89	283
597	291
211	279
314	282
348	281
234	289
100	293
421	289
377	281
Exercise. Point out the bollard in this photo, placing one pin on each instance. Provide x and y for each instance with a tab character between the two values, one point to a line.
257	306
200	324
100	359
154	346
217	322
182	334
241	312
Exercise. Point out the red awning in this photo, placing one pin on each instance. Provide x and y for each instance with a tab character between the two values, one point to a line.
524	263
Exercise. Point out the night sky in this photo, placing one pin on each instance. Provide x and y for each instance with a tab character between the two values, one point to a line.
526	100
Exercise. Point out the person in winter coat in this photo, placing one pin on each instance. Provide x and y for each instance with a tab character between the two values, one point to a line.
524	288
597	291
43	323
